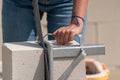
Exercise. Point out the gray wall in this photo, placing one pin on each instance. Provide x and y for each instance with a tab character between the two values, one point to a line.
104	27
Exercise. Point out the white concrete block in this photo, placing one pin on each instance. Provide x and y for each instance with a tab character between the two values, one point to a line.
23	61
60	66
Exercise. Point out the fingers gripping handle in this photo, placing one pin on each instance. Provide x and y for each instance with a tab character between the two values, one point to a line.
79	36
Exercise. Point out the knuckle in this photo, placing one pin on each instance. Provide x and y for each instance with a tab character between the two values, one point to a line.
63	31
72	31
67	31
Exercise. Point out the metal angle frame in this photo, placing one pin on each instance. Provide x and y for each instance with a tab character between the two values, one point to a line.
76	51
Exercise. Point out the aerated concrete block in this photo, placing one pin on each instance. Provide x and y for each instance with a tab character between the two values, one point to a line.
62	64
23	61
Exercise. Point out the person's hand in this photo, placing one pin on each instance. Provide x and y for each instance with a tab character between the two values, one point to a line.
66	34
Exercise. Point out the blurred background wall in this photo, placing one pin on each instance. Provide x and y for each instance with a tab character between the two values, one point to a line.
103	27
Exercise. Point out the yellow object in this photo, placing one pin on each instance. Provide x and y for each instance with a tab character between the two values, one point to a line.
96	70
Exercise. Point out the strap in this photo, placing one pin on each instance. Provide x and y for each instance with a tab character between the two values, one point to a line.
40	37
37	21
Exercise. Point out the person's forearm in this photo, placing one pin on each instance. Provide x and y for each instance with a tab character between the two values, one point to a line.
67	33
79	8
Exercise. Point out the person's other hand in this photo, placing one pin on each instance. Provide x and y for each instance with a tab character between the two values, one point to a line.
66	34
